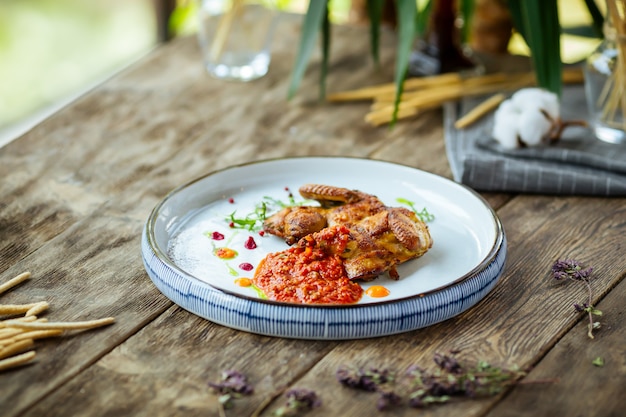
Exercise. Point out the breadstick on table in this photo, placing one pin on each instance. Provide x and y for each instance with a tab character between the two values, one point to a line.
32	334
7	333
16	347
62	325
14	281
26	319
479	111
38	334
37	308
16	308
17	360
390	88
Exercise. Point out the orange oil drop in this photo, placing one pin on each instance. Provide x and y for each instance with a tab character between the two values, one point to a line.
377	291
243	282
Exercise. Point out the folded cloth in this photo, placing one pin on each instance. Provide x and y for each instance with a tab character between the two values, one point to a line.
578	164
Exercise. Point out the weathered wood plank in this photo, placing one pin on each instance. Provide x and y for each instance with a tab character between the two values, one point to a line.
92	270
118	137
581	388
96	169
172	360
421	144
77	189
517	323
509	327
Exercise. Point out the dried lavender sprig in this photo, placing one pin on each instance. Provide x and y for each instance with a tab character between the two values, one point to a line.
233	384
371	380
422	388
453	379
366	379
298	400
572	270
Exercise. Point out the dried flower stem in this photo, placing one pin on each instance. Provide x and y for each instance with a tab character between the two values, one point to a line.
267	402
573	270
420	388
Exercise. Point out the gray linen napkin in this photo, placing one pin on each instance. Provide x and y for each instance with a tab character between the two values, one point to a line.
579	164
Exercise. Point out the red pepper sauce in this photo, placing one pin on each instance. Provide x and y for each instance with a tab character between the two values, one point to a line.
311	272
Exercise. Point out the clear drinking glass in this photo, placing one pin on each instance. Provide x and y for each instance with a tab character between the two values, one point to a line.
235	37
605	80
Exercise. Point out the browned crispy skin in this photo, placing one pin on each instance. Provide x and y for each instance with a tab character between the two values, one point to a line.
381	237
294	223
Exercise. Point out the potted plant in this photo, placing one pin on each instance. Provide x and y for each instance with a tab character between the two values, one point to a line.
536	20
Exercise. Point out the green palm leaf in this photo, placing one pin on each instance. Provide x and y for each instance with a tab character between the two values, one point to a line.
325	52
375	12
312	21
406	10
538	22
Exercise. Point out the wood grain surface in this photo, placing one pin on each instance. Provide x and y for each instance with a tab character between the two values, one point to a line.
77	189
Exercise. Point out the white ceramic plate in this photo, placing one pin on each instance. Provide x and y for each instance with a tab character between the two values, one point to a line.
179	244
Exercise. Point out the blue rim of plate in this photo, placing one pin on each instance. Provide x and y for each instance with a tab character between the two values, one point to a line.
321	322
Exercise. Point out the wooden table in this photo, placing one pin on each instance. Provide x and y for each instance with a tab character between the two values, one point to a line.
77	189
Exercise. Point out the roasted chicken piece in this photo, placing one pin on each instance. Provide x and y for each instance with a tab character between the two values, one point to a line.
381	237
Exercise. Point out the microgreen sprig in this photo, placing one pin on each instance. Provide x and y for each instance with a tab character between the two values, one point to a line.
254	221
572	270
423	214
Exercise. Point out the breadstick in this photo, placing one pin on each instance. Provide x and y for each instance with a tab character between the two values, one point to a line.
6	333
37	308
479	111
376	119
61	325
7	309
16	347
17	360
38	334
23	319
390	89
14	281
33	334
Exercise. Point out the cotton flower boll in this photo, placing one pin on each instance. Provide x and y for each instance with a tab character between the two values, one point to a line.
528	118
537	98
505	128
534	127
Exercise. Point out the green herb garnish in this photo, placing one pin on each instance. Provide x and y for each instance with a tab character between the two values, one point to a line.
254	221
423	214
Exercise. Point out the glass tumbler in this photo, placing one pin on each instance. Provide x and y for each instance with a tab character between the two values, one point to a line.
235	37
605	78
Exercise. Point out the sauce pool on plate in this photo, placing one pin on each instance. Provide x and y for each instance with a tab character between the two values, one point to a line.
311	272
